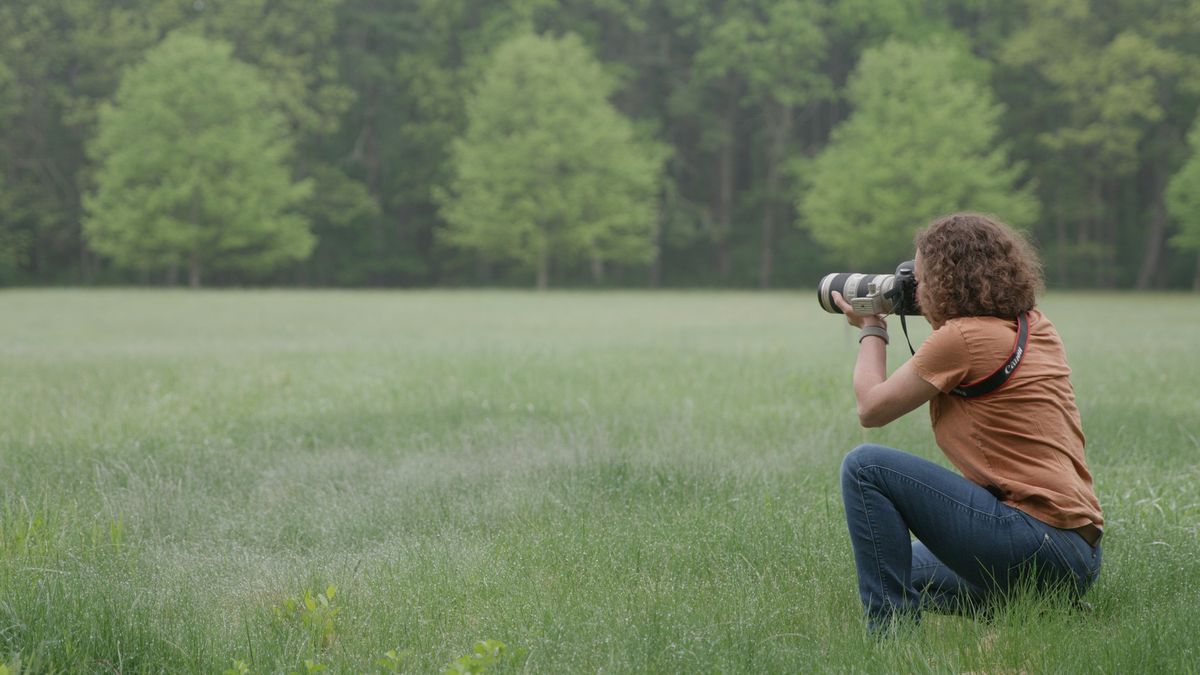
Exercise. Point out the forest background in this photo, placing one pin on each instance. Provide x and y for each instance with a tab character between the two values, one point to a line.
610	142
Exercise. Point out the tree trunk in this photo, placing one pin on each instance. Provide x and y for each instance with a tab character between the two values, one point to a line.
722	260
173	274
1087	228
666	204
1151	271
654	277
366	153
1061	238
543	271
781	129
1106	272
597	270
483	270
1154	247
87	262
766	251
194	271
1196	279
725	161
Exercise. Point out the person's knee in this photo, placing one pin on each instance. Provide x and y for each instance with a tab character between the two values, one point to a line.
864	455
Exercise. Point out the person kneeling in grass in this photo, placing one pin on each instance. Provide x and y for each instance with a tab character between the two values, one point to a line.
1024	509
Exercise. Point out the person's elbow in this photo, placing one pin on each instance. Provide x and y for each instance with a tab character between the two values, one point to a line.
872	416
891	400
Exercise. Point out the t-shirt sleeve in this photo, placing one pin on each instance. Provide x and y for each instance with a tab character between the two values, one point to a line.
943	359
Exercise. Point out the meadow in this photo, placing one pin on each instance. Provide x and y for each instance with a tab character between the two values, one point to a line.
280	481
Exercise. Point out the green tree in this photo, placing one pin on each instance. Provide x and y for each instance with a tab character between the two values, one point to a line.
295	46
1111	88
192	167
1183	202
42	151
782	63
759	59
548	171
920	142
12	244
67	57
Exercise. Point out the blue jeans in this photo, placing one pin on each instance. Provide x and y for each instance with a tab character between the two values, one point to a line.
971	548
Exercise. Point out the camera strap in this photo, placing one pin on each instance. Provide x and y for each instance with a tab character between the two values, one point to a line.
904	326
997	379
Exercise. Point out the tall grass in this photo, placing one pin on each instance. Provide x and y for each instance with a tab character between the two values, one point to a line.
619	482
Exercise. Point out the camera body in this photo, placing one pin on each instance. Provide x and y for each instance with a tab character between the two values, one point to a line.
871	294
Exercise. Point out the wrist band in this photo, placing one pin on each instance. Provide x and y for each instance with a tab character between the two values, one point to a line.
873	330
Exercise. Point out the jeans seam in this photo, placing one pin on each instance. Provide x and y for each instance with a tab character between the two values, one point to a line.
858	475
929	487
1083	575
874	539
1041	547
870	524
1062	557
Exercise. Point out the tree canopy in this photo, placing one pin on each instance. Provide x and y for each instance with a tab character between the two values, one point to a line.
548	171
920	142
193	170
1089	105
1183	199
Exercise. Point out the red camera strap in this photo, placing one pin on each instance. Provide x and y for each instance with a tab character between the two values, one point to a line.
997	379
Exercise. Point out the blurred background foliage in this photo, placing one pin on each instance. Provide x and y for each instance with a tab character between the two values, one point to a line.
611	142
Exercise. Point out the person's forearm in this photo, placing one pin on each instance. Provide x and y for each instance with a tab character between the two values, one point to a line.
870	370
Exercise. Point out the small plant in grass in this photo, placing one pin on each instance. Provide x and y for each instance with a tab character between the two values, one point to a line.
484	656
311	667
239	667
393	660
13	668
315	613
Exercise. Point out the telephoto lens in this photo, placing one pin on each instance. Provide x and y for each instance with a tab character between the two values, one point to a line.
868	291
872	293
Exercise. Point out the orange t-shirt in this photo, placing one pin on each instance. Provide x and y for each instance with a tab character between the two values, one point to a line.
1024	438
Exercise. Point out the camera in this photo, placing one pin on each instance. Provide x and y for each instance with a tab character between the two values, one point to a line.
872	294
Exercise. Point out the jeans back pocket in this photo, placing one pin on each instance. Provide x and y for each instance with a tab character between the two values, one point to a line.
1045	567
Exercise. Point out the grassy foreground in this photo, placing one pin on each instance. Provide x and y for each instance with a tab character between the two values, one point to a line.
620	482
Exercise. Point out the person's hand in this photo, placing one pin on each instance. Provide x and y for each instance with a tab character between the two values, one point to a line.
858	320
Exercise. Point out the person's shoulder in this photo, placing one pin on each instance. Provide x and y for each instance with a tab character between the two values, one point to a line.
1038	318
968	327
944	357
1041	327
948	336
984	336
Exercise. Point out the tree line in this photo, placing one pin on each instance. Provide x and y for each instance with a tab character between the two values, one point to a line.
620	142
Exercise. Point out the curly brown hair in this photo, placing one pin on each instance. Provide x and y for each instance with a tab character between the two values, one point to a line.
970	264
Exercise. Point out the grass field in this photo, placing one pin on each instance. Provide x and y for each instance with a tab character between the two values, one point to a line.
620	482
